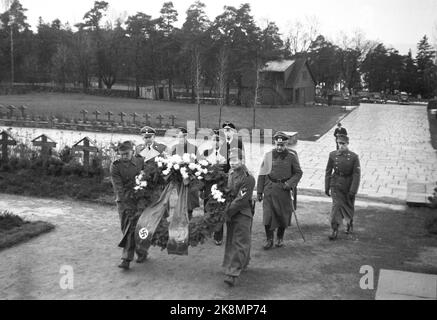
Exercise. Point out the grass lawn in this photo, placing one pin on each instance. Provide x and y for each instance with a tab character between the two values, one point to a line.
14	229
310	122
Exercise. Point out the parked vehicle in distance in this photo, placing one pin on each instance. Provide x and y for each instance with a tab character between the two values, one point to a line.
403	98
377	98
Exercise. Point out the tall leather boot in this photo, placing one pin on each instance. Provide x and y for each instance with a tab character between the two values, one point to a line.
334	235
269	238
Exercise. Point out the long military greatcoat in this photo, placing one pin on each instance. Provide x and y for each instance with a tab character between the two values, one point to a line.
123	175
239	222
342	178
280	172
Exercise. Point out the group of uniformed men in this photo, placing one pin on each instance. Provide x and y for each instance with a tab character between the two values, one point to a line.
279	175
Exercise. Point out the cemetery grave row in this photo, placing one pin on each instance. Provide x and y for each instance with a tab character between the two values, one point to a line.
93	121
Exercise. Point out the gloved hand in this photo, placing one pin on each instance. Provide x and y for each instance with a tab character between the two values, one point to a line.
260	197
286	187
327	192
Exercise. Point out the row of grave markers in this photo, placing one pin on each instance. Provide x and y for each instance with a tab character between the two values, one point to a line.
9	113
46	144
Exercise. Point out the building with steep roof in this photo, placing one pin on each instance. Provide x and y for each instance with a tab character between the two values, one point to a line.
282	82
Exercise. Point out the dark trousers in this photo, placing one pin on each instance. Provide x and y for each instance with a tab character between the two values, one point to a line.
128	222
270	233
218	235
237	249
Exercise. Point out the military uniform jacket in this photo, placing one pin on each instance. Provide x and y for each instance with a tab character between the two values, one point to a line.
279	173
123	175
241	185
180	149
343	171
283	167
156	149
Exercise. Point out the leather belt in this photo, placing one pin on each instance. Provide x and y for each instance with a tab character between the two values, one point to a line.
278	180
342	174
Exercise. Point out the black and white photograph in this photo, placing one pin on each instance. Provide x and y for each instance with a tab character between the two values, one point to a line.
219	155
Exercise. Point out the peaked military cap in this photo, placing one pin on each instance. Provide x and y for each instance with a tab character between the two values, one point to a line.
183	130
228	125
280	137
342	138
147	130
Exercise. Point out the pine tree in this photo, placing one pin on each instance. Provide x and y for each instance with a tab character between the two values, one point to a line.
426	68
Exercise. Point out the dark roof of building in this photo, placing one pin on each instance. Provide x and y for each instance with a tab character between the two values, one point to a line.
290	68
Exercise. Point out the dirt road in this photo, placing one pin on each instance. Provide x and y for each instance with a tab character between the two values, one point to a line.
86	236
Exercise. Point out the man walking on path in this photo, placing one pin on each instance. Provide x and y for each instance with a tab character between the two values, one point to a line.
123	173
238	218
339	130
280	173
232	141
342	180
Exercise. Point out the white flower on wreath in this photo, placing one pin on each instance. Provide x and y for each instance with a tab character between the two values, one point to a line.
166	172
186	158
192	166
176	166
198	173
204	163
184	173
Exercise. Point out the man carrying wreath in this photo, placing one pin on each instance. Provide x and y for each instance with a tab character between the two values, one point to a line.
238	218
123	173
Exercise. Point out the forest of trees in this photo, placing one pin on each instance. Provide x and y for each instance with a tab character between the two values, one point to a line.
146	50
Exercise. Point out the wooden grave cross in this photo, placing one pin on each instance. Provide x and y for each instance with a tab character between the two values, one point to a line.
122	115
46	145
86	148
23	111
6	140
160	120
172	118
147	116
97	113
109	114
134	117
84	113
11	111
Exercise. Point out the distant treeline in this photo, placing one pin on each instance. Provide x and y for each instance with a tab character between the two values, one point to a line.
211	55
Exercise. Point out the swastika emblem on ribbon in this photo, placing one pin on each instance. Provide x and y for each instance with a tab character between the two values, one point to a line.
143	233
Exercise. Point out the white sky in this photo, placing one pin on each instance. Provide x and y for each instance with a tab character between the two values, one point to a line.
397	23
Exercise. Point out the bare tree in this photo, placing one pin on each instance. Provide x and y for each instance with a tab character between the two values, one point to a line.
357	41
7	4
197	73
255	96
302	34
222	60
435	40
